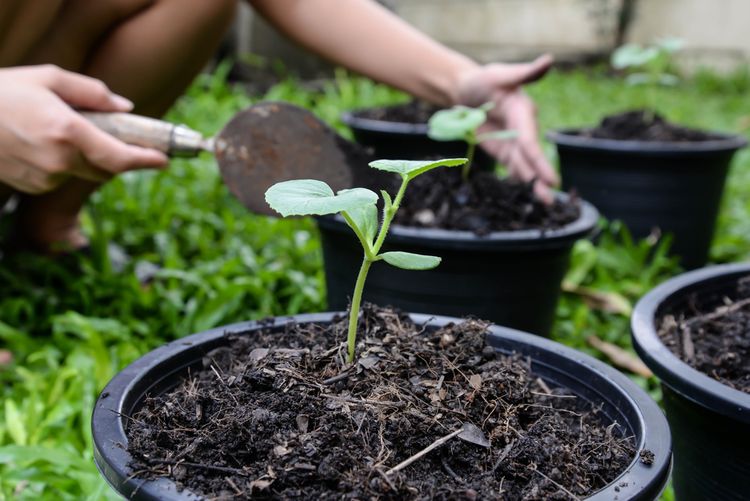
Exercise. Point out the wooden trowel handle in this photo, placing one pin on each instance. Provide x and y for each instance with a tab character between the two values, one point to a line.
175	140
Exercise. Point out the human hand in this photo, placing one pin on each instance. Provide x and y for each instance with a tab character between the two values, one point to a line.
501	84
44	141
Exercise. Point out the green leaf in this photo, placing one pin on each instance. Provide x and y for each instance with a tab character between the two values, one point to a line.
412	168
639	79
633	55
487	106
307	197
497	135
670	44
388	201
455	123
668	80
14	423
410	261
365	219
33	454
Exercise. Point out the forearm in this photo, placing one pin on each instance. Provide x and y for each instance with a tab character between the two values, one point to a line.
365	37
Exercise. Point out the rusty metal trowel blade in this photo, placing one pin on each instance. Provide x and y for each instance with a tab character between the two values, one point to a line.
272	142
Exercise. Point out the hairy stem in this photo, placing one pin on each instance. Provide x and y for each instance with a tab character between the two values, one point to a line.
367	260
470	155
351	338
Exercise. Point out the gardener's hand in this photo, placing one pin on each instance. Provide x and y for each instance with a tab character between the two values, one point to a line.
43	141
501	84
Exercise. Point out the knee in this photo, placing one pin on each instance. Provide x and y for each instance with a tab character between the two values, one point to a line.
210	10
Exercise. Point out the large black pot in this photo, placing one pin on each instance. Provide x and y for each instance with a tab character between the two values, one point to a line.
676	187
408	141
510	278
619	399
710	421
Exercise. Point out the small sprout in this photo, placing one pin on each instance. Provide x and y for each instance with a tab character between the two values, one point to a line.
306	197
461	123
310	197
648	65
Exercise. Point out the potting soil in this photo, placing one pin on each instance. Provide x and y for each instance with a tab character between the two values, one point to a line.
715	342
482	204
642	125
278	415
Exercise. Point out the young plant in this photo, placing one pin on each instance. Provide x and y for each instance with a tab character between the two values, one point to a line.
648	65
461	123
309	197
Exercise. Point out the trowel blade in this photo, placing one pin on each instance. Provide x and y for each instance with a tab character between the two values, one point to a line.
272	142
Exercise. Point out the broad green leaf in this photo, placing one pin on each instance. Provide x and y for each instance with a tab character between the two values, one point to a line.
633	55
455	123
413	168
410	261
365	219
307	197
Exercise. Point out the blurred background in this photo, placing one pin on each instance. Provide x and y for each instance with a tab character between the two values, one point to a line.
575	31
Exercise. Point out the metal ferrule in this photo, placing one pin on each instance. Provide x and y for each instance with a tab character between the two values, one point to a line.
186	142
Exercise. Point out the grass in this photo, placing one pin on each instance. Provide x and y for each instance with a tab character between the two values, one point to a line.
73	323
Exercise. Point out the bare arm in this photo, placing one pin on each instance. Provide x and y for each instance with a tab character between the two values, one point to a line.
367	38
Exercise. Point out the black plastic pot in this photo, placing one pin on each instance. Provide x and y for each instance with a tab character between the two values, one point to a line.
676	187
710	421
619	399
407	141
510	278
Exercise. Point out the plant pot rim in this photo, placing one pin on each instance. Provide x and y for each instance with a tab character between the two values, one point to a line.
494	241
678	375
723	143
112	458
352	120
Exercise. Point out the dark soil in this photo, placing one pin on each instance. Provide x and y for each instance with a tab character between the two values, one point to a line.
641	125
293	423
441	199
486	203
413	112
715	341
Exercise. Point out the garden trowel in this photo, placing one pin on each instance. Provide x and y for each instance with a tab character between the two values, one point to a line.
261	145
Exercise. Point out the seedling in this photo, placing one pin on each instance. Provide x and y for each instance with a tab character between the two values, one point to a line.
648	65
461	123
309	197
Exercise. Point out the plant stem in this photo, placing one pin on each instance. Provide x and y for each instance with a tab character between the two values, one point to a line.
367	260
351	338
470	155
388	217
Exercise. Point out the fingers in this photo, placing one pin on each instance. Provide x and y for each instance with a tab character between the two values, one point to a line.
110	154
514	75
520	114
537	69
544	193
81	91
520	167
83	169
534	156
523	156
